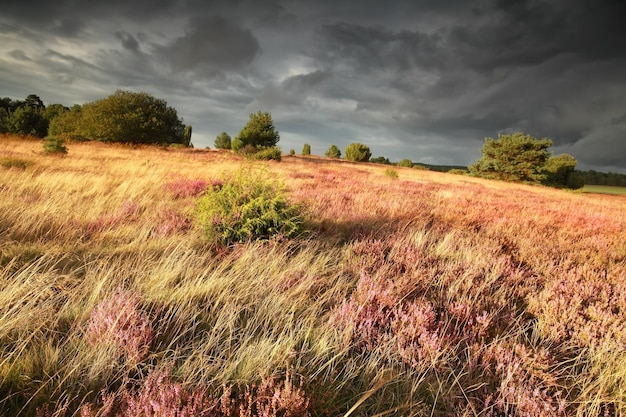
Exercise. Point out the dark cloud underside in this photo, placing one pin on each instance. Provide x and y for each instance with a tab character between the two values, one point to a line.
412	78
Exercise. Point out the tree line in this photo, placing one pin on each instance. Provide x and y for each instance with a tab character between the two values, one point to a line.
124	116
140	118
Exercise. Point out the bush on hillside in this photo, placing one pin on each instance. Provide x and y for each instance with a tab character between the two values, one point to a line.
391	173
266	154
333	152
247	207
358	152
516	157
52	145
406	163
559	170
10	162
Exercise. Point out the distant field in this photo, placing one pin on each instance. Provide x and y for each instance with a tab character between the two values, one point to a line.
604	189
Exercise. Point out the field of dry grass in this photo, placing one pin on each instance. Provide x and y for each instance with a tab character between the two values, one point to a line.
429	294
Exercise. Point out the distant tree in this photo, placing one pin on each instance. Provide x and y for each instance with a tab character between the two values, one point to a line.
223	141
4	119
67	125
8	104
306	149
292	152
187	136
407	163
259	131
357	152
23	117
34	102
515	157
381	160
237	145
26	120
558	170
54	110
333	152
130	117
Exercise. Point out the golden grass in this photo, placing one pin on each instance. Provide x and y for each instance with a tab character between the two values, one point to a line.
520	287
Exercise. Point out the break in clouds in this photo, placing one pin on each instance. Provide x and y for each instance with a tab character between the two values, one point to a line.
418	79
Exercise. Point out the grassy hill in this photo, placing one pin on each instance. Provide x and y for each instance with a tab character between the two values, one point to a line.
426	294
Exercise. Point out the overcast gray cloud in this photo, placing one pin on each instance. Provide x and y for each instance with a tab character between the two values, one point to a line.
422	79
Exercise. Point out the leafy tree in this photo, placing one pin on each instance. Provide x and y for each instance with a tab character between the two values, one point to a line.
559	169
26	120
130	117
306	149
237	145
68	125
515	157
23	117
4	118
187	136
333	152
407	163
9	104
223	141
54	110
34	102
357	152
259	131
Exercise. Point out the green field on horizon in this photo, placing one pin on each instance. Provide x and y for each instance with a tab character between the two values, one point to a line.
604	189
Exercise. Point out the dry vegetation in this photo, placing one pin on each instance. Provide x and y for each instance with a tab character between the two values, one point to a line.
421	294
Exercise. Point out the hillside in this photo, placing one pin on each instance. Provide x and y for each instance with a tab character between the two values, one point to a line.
425	294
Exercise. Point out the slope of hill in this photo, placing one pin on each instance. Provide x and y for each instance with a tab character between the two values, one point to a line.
427	294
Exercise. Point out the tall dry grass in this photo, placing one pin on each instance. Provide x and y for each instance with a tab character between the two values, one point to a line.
426	294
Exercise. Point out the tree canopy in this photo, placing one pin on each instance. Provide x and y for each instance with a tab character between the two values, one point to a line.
24	117
333	152
124	116
515	157
259	131
357	152
559	171
223	141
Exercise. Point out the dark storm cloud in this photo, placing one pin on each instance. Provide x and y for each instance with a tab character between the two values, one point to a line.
128	41
411	78
203	47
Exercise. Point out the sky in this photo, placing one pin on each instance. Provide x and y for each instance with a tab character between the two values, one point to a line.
426	80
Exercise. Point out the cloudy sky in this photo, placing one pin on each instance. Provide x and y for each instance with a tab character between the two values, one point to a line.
426	80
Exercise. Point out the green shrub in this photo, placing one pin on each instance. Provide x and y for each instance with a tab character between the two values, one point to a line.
407	163
53	145
9	162
292	152
247	207
333	152
357	152
458	171
306	149
265	154
391	173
